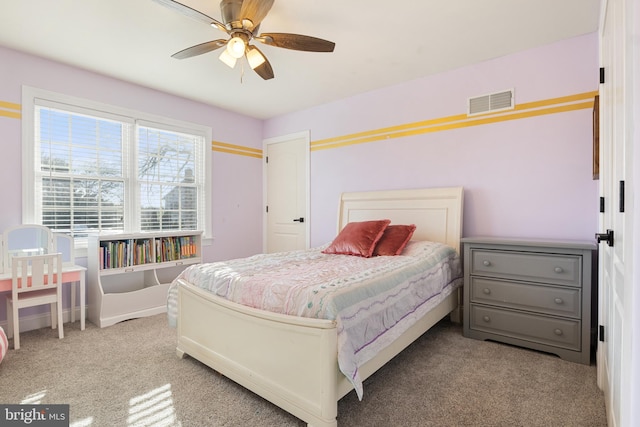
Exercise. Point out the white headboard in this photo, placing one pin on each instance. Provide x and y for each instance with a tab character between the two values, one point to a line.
436	212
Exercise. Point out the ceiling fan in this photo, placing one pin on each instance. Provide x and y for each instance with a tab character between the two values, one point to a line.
241	21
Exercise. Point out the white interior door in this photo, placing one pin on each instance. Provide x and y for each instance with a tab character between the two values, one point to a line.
287	193
615	346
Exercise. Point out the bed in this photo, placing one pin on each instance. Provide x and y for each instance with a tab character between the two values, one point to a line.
293	361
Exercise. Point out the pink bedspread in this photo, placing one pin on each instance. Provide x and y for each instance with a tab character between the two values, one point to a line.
373	300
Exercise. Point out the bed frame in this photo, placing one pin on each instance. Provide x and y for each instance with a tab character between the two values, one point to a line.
292	361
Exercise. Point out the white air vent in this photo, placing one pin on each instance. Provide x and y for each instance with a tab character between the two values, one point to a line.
489	103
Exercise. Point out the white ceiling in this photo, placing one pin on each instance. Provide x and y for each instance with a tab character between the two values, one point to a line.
378	43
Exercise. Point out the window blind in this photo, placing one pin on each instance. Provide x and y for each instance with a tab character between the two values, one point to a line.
170	179
81	170
97	170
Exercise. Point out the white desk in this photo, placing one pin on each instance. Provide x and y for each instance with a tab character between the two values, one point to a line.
71	274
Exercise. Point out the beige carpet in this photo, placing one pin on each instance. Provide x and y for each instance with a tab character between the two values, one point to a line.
129	375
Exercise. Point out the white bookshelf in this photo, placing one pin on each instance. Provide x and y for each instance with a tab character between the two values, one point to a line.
129	274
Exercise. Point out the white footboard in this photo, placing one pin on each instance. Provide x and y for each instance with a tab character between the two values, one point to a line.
290	361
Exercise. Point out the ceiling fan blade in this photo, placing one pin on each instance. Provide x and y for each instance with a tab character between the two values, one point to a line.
296	42
191	13
255	10
264	70
199	49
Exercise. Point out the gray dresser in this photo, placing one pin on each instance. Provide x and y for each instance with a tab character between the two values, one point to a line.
530	293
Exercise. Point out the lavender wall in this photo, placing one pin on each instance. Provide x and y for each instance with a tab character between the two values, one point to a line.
237	180
530	177
527	178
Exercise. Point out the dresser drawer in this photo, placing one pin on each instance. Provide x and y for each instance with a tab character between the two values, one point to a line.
528	266
552	331
524	296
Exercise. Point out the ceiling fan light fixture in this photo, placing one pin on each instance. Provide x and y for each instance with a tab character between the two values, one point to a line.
241	21
254	57
226	57
236	47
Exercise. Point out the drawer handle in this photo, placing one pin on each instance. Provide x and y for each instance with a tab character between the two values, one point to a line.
558	301
486	263
486	291
486	318
558	270
558	332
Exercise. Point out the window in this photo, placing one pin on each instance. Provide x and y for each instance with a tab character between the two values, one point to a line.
90	167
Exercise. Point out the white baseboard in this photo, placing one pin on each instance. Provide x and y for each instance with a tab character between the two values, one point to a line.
42	320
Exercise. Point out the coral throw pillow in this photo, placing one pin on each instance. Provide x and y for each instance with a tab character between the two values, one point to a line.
358	238
394	239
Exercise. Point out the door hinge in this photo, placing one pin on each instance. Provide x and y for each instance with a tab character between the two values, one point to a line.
267	209
601	333
601	204
266	159
621	195
601	75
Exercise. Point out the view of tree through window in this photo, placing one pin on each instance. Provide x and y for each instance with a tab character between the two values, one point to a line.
98	174
82	176
166	164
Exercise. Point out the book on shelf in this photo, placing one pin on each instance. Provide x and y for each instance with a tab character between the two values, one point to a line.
130	252
125	253
174	248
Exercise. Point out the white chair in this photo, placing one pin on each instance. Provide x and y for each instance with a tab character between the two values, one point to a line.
64	244
36	280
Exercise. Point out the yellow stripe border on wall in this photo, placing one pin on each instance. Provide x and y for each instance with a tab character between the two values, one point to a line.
14	111
521	111
224	147
9	109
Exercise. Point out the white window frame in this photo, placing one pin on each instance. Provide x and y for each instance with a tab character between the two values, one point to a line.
29	97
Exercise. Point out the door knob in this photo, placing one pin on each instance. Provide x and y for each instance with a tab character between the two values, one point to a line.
605	237
299	219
